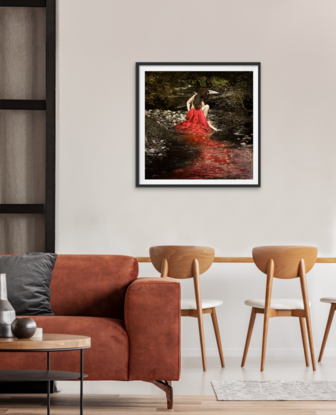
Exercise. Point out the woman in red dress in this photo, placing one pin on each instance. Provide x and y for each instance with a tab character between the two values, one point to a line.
196	119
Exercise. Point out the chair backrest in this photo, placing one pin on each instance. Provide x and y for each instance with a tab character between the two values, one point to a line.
180	259
286	259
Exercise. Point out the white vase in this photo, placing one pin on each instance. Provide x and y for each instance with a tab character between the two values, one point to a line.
7	312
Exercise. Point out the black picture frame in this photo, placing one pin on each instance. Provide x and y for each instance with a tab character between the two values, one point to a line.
140	112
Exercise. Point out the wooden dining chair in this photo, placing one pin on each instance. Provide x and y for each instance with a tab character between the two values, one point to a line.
332	302
284	262
182	262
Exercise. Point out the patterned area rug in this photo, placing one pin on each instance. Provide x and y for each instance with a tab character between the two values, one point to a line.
274	390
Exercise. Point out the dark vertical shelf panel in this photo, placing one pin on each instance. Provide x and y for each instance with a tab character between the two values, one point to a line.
50	126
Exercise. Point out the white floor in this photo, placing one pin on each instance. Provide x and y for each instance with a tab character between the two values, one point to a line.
196	382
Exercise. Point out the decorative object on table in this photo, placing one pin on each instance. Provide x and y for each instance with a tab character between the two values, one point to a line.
274	390
7	312
28	282
38	333
283	262
23	328
198	124
182	262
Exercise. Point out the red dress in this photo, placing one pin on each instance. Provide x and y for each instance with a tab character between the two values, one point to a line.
195	123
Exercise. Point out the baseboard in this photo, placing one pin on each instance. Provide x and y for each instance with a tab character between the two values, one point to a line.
255	352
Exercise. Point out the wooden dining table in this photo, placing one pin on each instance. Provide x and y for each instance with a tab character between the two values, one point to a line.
241	259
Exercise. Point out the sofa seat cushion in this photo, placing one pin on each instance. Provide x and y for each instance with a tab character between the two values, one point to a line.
107	359
278	303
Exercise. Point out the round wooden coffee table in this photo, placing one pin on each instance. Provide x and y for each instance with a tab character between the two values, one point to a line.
48	343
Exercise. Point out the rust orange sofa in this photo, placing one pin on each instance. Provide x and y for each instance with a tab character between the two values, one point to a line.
134	323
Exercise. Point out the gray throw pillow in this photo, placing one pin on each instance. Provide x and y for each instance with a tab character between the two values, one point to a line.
28	282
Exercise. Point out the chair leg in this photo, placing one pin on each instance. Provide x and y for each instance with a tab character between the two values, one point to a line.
304	339
249	335
327	329
197	285
217	333
269	284
202	340
264	342
304	290
311	342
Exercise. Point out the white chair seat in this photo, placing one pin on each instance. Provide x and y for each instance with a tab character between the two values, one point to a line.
279	303
190	303
330	300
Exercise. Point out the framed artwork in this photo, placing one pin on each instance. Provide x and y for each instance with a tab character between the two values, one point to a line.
198	124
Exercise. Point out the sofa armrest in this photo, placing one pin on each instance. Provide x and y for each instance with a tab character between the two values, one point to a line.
153	324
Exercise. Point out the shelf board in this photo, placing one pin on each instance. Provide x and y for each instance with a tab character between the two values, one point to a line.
7	208
37	375
22	104
23	3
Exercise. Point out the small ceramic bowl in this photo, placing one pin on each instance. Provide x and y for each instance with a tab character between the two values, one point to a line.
23	328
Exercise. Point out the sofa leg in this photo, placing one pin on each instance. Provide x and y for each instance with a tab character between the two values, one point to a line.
166	386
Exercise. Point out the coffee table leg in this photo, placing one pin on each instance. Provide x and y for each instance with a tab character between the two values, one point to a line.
48	386
81	380
48	412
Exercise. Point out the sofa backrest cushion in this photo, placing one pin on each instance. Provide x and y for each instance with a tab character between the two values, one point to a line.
28	278
91	285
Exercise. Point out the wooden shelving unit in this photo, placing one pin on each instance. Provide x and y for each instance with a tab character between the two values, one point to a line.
47	105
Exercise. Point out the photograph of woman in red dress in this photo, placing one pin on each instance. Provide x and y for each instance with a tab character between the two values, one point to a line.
197	117
198	127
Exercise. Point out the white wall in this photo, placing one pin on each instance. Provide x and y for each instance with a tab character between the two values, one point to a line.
99	210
